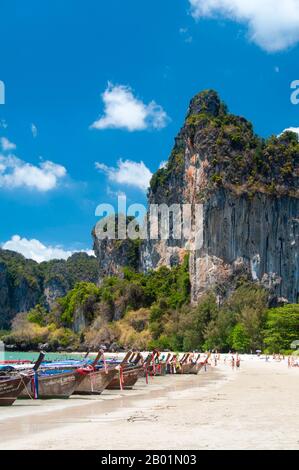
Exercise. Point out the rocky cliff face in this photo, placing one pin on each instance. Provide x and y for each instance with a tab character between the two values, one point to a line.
256	236
25	283
15	296
249	192
115	255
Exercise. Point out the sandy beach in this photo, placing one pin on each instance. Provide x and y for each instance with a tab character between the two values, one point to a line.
255	407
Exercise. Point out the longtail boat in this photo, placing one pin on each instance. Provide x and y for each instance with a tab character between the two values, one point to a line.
96	381
199	364
180	366
56	383
52	384
173	364
186	364
161	369
128	375
13	382
154	366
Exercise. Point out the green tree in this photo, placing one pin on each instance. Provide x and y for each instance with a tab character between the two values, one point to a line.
239	339
218	330
38	315
282	328
83	296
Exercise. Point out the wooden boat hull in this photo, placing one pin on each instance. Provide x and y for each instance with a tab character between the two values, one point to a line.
95	382
162	369
11	388
196	368
184	368
159	370
130	377
141	372
57	386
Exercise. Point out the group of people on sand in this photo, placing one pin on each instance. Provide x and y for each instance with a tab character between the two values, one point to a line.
293	362
278	357
234	360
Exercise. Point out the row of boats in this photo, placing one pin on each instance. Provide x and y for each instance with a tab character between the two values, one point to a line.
61	379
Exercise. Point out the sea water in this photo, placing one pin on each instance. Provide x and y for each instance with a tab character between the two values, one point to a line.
32	356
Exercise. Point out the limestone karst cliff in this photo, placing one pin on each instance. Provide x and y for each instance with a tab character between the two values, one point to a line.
25	283
249	191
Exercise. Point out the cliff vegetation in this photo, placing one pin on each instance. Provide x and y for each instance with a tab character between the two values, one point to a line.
154	311
25	283
237	158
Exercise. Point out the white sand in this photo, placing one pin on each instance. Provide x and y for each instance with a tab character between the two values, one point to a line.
256	407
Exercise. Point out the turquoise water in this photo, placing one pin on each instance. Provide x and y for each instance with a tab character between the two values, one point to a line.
32	356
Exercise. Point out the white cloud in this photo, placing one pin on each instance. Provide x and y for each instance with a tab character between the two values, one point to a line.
163	164
16	173
272	24
122	110
33	130
115	194
7	145
34	249
128	173
291	129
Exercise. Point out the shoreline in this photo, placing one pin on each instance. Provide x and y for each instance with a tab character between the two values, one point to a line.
253	408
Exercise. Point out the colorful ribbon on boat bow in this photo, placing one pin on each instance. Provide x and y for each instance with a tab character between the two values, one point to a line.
154	363
85	370
145	372
34	385
121	378
105	364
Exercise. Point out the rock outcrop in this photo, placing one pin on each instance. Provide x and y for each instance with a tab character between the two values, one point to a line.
25	283
17	294
115	254
248	189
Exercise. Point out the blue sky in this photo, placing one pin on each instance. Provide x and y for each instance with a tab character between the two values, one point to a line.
59	57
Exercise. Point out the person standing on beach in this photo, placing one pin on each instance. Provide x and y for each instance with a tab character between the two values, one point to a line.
238	362
233	363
